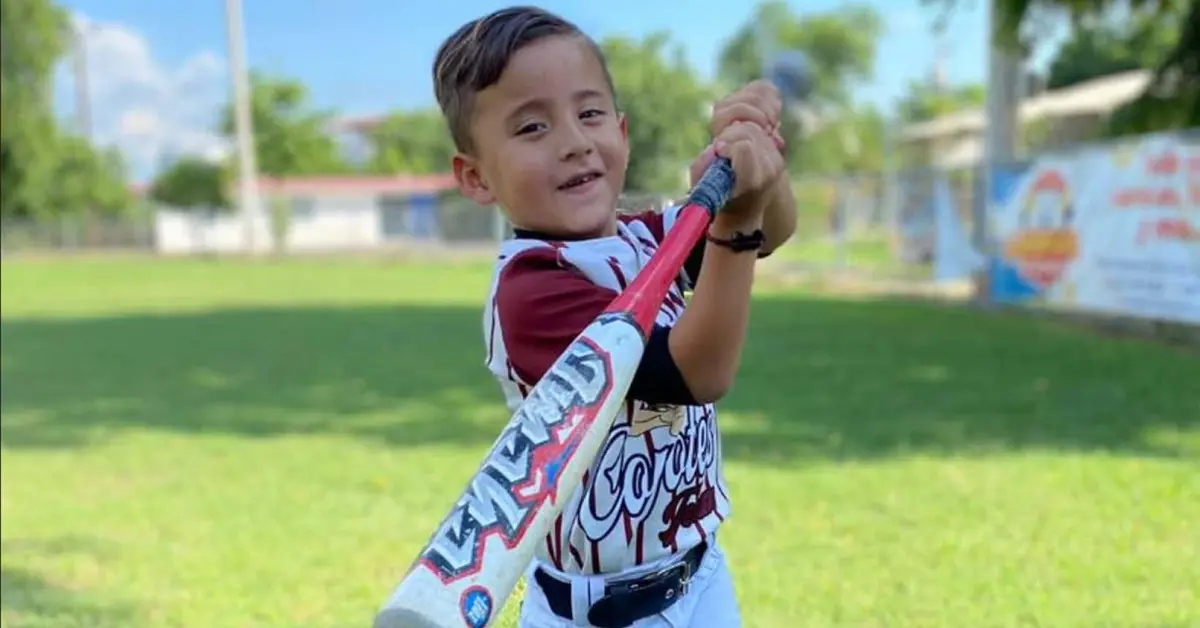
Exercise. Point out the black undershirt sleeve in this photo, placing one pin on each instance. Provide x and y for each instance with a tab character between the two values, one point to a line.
691	266
658	380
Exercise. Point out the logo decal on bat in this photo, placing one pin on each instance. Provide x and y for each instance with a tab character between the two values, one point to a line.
522	470
476	604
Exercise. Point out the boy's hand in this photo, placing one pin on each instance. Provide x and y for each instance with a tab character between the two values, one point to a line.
756	160
757	105
755	157
758	102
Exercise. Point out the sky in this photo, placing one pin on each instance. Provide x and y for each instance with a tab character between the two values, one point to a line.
157	71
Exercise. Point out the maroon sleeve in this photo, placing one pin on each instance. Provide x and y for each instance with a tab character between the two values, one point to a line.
544	303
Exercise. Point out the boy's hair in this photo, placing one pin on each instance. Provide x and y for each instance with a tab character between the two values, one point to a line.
473	58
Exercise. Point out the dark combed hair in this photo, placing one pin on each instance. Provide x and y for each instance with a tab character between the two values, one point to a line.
475	56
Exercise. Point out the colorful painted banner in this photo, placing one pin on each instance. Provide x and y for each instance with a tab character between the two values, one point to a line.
1111	229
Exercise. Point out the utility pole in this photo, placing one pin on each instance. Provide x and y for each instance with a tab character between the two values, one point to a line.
938	75
249	199
1002	128
83	97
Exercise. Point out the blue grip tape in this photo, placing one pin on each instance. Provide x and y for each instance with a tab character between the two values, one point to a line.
713	189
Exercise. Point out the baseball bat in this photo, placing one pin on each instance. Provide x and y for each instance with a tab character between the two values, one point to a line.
470	566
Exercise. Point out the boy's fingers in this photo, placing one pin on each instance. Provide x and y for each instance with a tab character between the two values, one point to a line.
767	97
753	153
702	162
731	113
739	132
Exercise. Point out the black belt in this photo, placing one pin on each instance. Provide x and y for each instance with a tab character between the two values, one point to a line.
626	601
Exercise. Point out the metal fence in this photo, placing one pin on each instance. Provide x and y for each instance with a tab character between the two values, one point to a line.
874	224
330	224
77	232
878	224
869	223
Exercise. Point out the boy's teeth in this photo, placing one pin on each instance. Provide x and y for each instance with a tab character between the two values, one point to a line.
579	181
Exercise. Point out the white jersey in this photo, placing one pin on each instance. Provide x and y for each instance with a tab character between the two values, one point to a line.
657	486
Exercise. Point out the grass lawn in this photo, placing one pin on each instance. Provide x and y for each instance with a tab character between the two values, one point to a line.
194	443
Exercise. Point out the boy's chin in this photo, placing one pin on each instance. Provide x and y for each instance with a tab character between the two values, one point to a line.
596	225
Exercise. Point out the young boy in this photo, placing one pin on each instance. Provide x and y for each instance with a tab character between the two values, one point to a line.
533	113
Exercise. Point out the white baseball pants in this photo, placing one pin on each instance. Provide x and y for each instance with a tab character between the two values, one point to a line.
710	601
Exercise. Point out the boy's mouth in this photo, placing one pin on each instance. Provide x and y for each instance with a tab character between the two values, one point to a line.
581	179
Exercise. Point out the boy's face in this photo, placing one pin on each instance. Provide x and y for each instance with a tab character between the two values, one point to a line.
550	147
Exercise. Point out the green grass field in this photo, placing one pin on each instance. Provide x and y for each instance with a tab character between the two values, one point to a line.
198	443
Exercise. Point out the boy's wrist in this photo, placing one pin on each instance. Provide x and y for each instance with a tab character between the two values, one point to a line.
725	226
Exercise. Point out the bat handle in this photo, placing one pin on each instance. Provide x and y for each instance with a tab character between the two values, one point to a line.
715	187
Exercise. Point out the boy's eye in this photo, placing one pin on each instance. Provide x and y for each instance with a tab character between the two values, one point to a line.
530	127
592	113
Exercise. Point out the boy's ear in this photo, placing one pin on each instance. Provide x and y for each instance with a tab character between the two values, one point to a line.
623	124
470	180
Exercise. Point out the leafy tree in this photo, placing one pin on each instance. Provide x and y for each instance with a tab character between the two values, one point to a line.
192	183
44	171
1171	101
86	179
290	137
414	142
1103	45
925	101
840	46
667	106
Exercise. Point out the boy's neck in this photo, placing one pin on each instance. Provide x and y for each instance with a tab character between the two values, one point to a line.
533	234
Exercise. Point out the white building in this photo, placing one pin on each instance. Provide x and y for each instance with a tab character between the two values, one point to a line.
328	213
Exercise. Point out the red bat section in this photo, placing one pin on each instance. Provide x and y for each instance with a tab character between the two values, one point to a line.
644	297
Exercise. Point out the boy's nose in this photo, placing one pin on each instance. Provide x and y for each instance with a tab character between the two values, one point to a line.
575	143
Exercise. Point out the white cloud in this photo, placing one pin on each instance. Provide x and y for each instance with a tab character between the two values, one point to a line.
147	109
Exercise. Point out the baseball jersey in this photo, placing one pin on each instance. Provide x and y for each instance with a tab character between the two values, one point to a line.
657	486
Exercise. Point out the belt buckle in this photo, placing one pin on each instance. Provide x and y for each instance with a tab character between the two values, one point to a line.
685	577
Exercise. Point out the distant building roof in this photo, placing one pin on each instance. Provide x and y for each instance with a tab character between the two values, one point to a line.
357	124
1097	96
361	184
347	184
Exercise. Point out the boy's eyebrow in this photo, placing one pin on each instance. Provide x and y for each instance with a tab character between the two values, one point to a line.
535	104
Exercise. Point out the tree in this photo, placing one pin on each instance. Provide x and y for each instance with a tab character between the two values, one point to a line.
853	141
43	170
1172	100
290	137
31	41
84	178
192	183
926	101
840	46
1099	46
415	142
667	107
